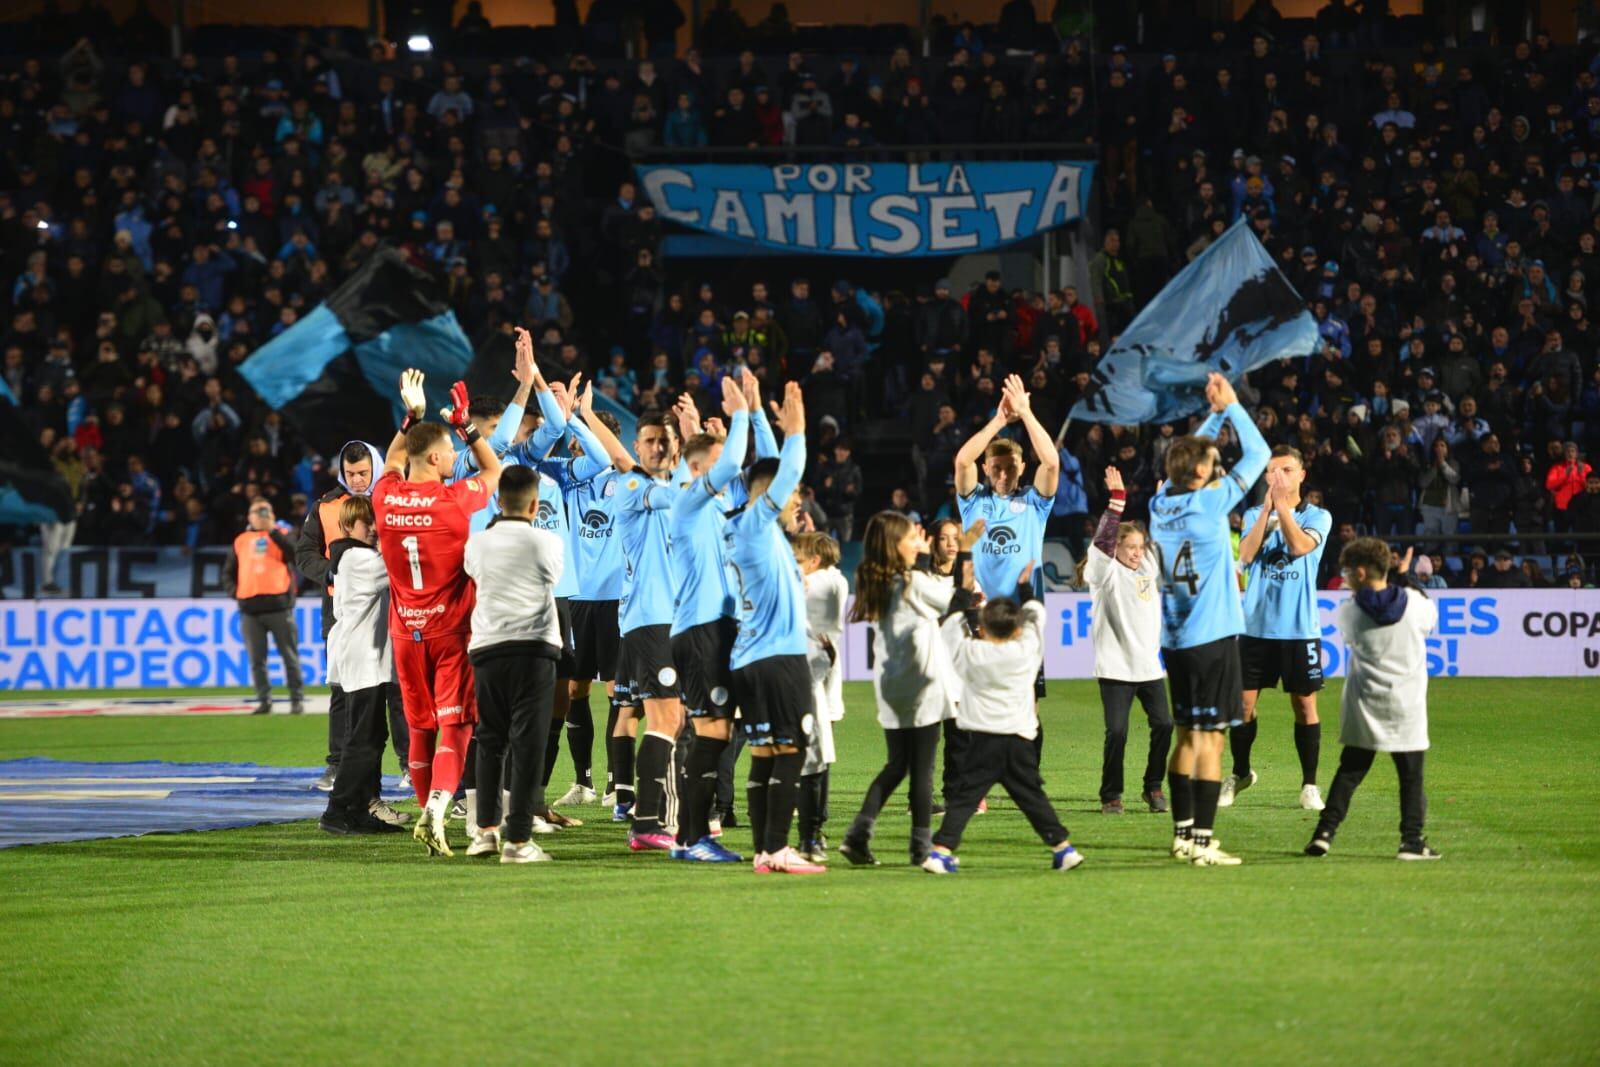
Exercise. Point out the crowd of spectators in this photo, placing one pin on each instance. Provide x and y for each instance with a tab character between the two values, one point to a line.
162	219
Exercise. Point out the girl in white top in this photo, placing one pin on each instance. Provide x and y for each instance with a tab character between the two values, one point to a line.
913	680
1384	707
1123	576
826	593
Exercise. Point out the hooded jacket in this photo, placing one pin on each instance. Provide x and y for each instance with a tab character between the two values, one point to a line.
313	551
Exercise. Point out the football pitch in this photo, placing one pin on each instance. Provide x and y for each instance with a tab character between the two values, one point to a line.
281	944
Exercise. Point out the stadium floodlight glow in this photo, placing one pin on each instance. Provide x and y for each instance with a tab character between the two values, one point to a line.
232	224
419	42
41	225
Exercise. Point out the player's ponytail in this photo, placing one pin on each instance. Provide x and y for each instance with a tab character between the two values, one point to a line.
881	566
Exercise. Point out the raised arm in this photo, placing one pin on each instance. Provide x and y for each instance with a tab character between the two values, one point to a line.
792	457
1256	453
1047	476
594	459
766	441
1250	543
482	456
613	448
415	402
972	450
1300	539
1105	534
728	464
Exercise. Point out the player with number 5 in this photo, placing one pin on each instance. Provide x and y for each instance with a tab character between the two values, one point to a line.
1202	617
423	525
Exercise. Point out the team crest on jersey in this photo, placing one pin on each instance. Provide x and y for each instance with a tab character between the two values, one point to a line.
1144	586
475	485
1018	507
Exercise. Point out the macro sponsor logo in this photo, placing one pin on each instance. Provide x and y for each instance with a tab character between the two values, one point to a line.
594	523
1002	541
547	513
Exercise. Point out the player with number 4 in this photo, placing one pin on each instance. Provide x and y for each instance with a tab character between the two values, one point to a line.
1202	617
423	525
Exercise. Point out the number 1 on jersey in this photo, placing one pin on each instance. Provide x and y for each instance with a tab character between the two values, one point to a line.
414	556
1183	572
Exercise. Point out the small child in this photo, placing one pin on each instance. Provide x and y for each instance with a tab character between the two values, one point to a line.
1385	702
360	661
996	712
826	593
516	643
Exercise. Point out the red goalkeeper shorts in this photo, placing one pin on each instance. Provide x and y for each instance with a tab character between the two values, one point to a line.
435	681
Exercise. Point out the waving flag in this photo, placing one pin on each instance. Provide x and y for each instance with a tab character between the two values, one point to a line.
1230	311
338	368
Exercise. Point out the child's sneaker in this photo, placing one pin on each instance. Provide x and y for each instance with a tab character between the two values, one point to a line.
1321	844
1232	786
813	852
1210	854
1417	850
1311	798
858	853
1183	848
941	861
1065	858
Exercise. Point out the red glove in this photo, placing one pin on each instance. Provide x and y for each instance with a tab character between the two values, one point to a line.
457	414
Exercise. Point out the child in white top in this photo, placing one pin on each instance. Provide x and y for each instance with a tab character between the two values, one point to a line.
826	593
1124	580
912	676
360	661
1385	703
997	667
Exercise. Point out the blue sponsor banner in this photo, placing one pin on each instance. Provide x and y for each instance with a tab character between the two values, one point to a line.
871	209
140	644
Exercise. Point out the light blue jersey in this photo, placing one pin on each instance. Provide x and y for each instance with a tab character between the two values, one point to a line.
700	579
543	439
644	519
766	448
767	585
591	514
1013	537
1280	599
1190	527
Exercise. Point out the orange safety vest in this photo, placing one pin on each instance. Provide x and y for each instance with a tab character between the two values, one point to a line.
328	516
262	569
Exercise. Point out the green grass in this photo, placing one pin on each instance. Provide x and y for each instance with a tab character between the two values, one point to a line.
282	945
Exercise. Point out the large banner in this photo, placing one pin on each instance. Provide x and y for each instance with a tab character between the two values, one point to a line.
1514	633
52	645
871	209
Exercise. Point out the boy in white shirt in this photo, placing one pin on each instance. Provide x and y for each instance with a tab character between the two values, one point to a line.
826	593
997	671
1385	703
360	662
1124	580
516	642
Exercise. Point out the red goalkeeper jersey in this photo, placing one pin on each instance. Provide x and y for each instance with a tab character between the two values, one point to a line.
422	533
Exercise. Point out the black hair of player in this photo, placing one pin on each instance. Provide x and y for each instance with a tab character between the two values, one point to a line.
485	407
354	452
519	489
760	475
1001	618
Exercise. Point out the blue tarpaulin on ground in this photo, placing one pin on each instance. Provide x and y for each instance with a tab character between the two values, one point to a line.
46	801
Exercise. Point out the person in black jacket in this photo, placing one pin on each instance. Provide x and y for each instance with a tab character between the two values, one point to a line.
1492	477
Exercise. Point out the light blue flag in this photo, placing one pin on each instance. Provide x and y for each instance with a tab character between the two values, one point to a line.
1230	311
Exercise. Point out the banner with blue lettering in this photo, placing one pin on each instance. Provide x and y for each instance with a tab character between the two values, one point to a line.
1229	311
871	209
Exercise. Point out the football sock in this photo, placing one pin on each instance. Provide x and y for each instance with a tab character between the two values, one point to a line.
1308	746
655	766
580	741
620	751
1205	807
419	761
1241	739
611	729
704	756
552	749
439	801
757	789
448	754
1181	795
783	791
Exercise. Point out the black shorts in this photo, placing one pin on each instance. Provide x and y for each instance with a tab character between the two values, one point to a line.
1296	662
775	701
701	654
567	664
595	638
645	665
1206	692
